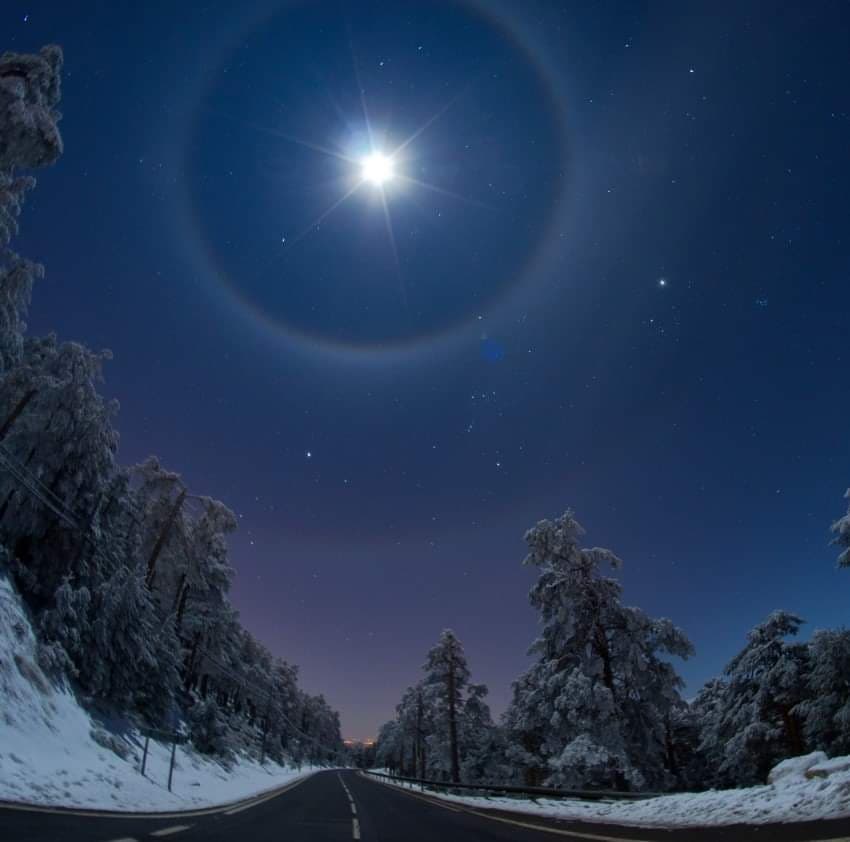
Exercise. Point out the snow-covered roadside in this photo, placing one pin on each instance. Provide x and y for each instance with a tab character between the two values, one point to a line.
801	789
49	756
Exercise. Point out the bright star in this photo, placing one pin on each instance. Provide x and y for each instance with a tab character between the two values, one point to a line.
376	168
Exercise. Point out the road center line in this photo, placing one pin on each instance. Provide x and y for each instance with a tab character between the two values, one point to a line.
355	829
167	831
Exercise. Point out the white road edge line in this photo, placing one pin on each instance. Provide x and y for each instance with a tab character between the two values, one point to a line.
167	831
440	803
256	802
213	810
542	828
355	829
571	833
425	798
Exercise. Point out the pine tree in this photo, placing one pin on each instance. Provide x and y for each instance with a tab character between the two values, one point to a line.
826	709
447	674
388	746
480	744
594	709
415	718
30	88
751	718
65	439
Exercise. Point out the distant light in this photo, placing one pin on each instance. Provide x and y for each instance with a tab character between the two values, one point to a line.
377	168
662	282
309	454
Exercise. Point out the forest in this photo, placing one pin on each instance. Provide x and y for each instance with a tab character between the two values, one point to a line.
124	570
602	707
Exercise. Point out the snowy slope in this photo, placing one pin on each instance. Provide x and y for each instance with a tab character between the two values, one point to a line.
801	789
48	754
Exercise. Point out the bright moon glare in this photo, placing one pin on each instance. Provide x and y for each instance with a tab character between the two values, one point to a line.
377	168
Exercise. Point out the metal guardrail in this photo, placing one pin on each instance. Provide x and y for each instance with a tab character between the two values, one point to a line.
533	791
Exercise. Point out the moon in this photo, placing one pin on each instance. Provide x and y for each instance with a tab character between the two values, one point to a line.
377	169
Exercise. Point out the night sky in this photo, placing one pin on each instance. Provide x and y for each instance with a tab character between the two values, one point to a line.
612	274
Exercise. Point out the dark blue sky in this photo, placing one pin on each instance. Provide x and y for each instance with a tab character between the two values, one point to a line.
621	286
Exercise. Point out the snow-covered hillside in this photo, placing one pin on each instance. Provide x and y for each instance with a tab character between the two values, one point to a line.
800	789
53	752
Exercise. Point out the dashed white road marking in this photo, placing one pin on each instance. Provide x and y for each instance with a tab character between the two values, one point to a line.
355	824
167	831
124	839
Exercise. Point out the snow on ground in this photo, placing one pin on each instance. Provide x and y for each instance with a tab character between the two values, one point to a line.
801	789
49	756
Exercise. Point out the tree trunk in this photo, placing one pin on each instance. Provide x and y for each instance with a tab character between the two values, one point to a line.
453	722
180	602
12	493
420	743
672	763
793	734
160	541
605	654
20	406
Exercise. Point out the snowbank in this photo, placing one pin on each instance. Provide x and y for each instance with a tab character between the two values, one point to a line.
53	752
803	789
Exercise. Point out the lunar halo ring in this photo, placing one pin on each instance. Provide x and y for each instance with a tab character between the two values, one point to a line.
430	344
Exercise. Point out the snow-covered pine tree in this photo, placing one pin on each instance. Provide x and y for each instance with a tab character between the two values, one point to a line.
751	718
388	746
594	709
65	439
204	567
121	653
29	138
162	526
415	718
481	749
826	709
446	677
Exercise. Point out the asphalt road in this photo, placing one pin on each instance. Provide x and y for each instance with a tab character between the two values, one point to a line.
341	806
